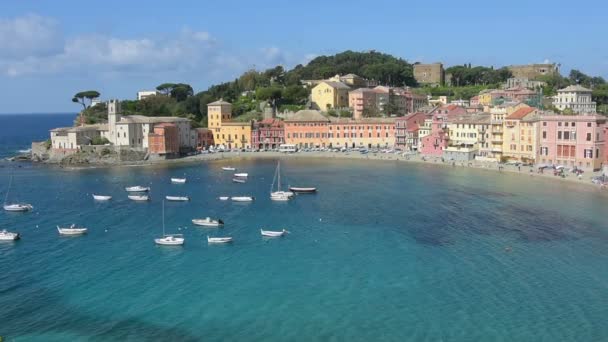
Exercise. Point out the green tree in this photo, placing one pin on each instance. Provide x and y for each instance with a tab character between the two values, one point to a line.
271	94
295	94
165	88
82	96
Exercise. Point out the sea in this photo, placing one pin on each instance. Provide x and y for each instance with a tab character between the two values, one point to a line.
384	251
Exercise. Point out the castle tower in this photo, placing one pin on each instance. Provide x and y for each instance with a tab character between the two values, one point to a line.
113	117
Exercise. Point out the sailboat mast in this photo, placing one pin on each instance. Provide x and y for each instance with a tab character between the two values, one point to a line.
279	177
10	182
163	218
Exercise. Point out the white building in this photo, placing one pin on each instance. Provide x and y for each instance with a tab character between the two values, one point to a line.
576	98
71	138
146	93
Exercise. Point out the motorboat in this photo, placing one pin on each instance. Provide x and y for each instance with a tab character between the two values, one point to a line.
5	235
72	230
178	180
270	233
15	206
242	174
302	190
239	180
208	222
242	198
169	239
139	198
18	207
224	198
219	239
228	168
177	198
137	188
102	198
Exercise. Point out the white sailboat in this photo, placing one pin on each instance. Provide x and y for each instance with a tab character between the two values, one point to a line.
72	230
5	235
208	222
101	197
228	168
270	233
219	239
242	174
137	188
139	198
15	206
169	239
279	195
178	180
177	198
242	198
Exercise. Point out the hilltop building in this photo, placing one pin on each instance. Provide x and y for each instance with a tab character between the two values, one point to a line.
142	94
532	71
576	98
429	74
330	95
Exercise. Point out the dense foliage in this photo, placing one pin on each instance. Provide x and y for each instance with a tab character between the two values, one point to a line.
465	75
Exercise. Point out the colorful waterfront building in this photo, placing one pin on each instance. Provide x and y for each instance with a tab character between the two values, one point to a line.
164	140
468	134
226	132
329	95
204	138
307	129
365	132
437	140
493	152
407	130
520	135
572	140
268	133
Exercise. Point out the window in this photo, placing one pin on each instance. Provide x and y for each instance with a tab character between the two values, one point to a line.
588	153
588	124
559	135
544	134
588	136
559	124
573	124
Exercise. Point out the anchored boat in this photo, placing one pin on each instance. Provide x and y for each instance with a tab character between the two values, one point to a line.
169	239
208	222
72	230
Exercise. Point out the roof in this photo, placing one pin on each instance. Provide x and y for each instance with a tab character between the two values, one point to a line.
521	113
150	119
350	76
472	118
576	87
97	127
362	90
218	103
308	115
335	84
362	120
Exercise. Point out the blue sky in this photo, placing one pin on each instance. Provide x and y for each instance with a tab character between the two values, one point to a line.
50	50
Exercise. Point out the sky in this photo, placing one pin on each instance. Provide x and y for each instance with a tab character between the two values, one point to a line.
50	50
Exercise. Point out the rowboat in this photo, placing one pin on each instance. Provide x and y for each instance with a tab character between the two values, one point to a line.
102	198
228	168
139	198
72	230
8	236
137	188
242	198
208	222
239	180
169	239
178	180
302	190
270	233
177	198
224	198
219	239
241	175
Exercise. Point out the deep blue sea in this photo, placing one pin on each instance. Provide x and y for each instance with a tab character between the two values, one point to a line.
385	251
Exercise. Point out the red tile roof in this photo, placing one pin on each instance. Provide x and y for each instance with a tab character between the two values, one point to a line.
521	113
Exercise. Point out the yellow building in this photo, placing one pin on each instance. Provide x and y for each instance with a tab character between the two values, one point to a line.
425	128
330	95
486	97
227	133
520	140
469	130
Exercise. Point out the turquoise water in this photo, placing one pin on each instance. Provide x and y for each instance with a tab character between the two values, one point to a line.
386	251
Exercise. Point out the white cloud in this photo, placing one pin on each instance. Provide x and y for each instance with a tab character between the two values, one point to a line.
30	35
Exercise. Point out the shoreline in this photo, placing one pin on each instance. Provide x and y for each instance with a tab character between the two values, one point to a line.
487	166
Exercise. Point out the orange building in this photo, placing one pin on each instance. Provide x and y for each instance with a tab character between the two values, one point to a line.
307	128
164	140
365	132
204	138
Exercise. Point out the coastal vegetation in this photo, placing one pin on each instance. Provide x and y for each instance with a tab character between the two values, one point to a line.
282	90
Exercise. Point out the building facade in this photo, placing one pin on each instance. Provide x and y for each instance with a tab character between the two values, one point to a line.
468	135
164	140
520	135
329	95
431	74
307	129
366	132
532	71
575	98
268	134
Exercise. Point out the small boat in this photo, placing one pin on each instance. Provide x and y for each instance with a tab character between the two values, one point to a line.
139	198
219	239
177	198
102	198
228	168
169	239
239	180
178	180
270	233
18	207
137	188
279	195
72	230
224	198
15	206
302	190
244	175
242	198
5	235
208	222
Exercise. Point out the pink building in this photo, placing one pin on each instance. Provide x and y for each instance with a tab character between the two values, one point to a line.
474	101
361	99
406	130
572	140
437	141
520	93
268	133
